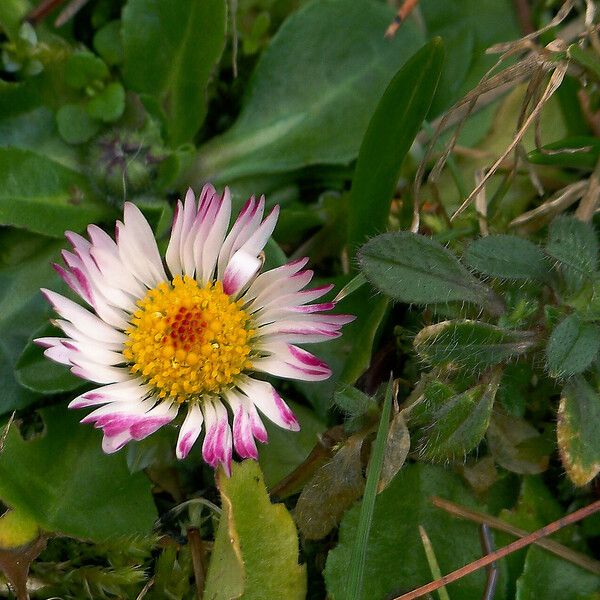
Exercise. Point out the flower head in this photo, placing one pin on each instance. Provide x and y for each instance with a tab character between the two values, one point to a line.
196	333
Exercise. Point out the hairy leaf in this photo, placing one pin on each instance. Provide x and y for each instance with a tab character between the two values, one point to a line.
578	440
413	268
470	345
572	347
508	257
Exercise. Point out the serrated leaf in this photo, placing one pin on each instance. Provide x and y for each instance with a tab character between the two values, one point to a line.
577	430
256	548
332	490
516	445
413	268
575	245
395	560
170	50
572	347
455	426
507	257
310	103
390	133
61	477
470	345
38	374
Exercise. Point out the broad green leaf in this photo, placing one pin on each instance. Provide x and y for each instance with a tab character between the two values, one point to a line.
75	125
310	103
508	257
109	104
39	374
572	347
17	529
108	44
285	450
579	152
455	426
44	197
255	555
390	133
83	69
575	245
11	13
516	445
547	576
470	345
577	434
64	481
395	560
332	490
413	268
170	51
25	261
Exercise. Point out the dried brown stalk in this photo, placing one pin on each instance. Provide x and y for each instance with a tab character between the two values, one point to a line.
403	12
198	559
587	207
502	552
581	560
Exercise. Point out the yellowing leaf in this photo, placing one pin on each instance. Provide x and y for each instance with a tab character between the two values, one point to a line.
255	556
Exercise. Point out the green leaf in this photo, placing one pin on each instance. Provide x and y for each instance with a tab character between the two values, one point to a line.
577	434
255	555
455	426
75	125
572	347
170	51
516	445
286	451
413	268
508	257
581	152
24	267
39	374
286	124
548	576
108	44
331	491
358	557
470	345
585	58
83	69
64	481
395	560
11	13
390	133
109	104
42	196
575	245
17	529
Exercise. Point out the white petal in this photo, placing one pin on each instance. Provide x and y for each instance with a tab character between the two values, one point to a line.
98	373
274	277
269	402
240	270
190	430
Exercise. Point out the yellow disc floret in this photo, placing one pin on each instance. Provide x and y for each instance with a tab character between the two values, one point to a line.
187	340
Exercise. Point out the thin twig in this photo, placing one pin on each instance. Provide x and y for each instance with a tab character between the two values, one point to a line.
69	12
587	207
481	205
581	560
407	7
553	527
553	84
197	552
492	570
42	10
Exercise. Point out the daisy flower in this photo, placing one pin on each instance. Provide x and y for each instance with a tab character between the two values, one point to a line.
196	333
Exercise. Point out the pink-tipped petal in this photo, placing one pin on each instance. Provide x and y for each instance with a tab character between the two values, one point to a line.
189	432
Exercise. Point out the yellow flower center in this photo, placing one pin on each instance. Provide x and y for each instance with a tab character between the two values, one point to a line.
186	340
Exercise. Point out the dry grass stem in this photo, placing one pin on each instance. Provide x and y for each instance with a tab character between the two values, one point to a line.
587	207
